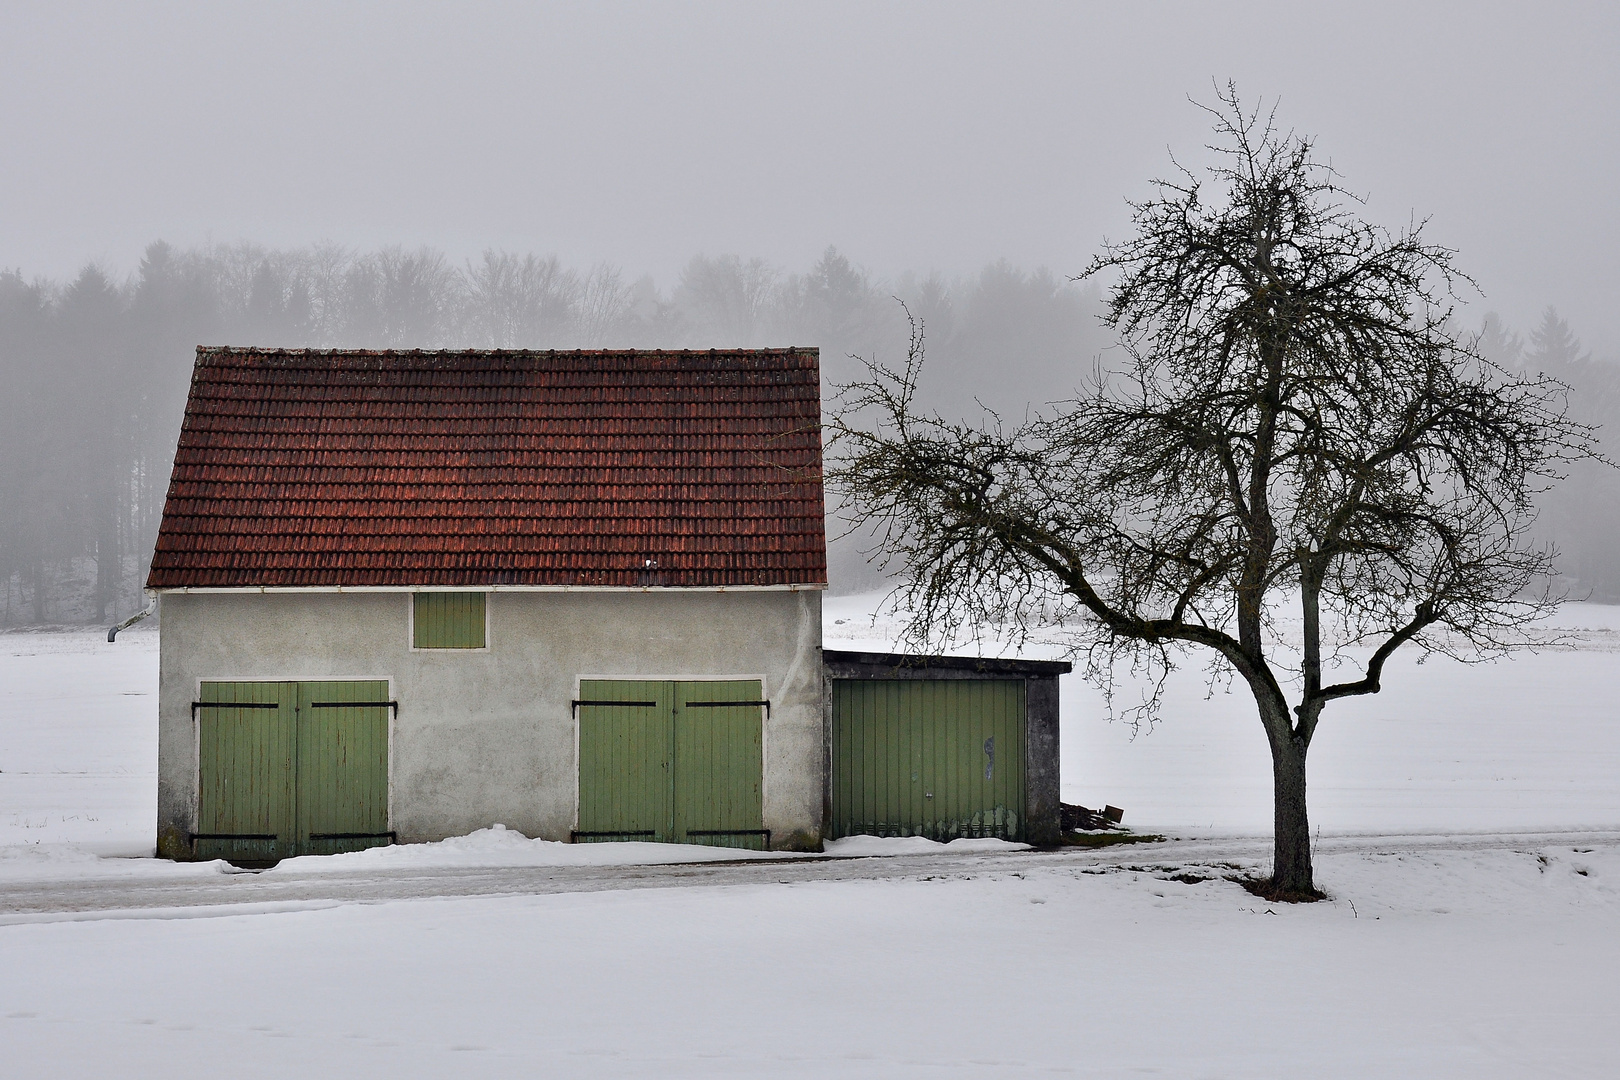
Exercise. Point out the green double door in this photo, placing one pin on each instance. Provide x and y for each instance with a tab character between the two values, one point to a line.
673	762
940	758
291	768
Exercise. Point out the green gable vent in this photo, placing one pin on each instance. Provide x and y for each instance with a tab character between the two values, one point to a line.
447	620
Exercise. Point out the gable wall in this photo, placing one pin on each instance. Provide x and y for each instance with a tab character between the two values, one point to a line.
488	736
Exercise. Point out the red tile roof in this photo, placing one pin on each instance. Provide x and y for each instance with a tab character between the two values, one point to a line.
317	467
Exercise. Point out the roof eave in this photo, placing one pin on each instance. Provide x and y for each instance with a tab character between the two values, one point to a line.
245	589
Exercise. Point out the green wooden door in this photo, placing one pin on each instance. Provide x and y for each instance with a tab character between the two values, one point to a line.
937	758
342	766
674	762
719	764
246	797
289	768
625	757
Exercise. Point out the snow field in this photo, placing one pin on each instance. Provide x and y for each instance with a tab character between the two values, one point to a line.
78	739
1454	964
1529	742
1458	956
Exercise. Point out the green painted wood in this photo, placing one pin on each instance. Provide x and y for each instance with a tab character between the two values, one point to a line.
626	755
246	771
444	620
937	758
342	766
719	764
672	772
296	772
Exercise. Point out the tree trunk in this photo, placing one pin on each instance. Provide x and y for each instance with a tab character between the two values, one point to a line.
108	568
39	591
1291	863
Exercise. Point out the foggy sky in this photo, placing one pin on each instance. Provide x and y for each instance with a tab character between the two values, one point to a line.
922	137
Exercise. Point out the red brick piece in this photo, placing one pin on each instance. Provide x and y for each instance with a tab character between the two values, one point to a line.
306	467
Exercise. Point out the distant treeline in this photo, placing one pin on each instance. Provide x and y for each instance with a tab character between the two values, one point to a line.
1579	516
93	372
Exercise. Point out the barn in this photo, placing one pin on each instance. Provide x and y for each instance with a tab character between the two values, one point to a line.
408	594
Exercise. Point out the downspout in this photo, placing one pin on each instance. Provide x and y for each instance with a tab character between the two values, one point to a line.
135	618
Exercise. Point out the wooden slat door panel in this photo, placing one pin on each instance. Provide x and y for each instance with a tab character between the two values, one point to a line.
719	764
937	758
342	766
626	753
246	771
288	768
671	762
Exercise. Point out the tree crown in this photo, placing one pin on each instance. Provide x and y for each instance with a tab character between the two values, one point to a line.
1296	413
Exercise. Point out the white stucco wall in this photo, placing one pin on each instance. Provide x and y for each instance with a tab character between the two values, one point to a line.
488	736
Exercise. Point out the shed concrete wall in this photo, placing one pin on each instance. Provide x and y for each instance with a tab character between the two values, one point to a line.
1044	811
486	736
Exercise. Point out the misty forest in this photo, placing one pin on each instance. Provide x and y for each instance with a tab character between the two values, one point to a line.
93	373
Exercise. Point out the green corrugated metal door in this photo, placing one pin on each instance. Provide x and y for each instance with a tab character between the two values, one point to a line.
719	764
289	768
678	762
937	758
626	748
246	739
342	766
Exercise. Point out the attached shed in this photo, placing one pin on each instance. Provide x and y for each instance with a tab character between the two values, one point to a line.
941	746
404	595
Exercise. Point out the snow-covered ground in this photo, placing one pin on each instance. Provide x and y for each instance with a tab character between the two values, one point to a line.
1477	963
1455	954
78	739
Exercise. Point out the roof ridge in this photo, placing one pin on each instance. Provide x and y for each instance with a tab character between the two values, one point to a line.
278	350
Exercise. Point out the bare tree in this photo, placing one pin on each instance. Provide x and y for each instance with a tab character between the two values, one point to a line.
1582	517
1299	426
727	300
518	302
401	299
604	304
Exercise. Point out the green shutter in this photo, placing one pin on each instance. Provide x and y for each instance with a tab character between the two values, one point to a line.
719	764
625	756
671	762
246	739
289	768
342	766
940	758
442	620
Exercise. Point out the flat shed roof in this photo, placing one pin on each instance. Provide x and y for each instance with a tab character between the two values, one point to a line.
840	662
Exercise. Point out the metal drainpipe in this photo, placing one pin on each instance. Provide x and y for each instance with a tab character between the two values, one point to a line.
135	618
